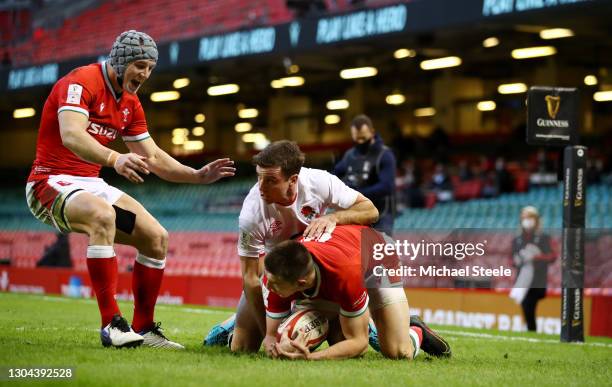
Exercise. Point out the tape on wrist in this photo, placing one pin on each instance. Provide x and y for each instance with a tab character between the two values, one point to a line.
112	158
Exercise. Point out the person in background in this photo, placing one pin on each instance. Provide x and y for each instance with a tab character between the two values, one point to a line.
532	252
441	184
408	186
369	167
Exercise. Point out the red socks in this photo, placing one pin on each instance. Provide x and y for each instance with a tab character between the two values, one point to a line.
146	281
102	267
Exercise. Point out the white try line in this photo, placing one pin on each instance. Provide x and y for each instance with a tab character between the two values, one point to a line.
177	308
56	329
194	310
488	336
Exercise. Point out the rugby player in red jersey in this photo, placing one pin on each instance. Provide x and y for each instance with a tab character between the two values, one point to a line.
327	274
86	110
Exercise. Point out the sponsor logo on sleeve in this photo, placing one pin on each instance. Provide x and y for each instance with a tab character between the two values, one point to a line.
244	240
74	94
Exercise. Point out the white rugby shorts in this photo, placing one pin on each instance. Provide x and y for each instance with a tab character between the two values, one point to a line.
47	198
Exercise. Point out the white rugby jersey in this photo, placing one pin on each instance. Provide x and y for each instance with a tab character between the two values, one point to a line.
264	225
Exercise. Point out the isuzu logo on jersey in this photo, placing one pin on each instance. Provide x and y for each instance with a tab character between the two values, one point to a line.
100	130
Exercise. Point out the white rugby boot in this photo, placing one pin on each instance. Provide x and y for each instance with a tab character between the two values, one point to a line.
155	338
118	334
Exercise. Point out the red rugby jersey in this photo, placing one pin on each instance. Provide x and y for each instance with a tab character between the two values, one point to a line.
86	90
339	275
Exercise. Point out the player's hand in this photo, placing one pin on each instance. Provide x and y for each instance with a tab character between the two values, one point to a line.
319	226
269	344
129	165
215	170
301	351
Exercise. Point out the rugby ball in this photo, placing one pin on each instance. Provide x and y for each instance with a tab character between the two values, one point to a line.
308	322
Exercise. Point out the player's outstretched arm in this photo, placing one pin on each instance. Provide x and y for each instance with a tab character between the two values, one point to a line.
165	166
354	329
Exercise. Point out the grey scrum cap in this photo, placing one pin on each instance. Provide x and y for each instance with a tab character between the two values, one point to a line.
130	46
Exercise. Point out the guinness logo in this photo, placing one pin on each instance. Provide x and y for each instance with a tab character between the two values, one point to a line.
552	104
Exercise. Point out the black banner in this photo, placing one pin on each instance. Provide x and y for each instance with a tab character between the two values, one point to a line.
572	256
312	33
552	116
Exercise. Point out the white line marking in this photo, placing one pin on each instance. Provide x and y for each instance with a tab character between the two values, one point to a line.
194	310
489	336
178	308
55	329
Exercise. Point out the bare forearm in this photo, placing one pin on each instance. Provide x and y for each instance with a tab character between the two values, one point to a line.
169	169
254	297
345	349
272	325
84	146
362	212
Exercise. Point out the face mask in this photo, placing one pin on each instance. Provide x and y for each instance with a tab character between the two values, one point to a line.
528	224
363	148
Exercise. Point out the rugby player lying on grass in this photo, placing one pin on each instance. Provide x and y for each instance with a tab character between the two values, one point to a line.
327	275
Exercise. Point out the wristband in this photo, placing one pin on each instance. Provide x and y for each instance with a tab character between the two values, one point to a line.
112	159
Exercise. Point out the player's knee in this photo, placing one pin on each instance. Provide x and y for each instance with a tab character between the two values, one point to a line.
102	220
159	242
395	351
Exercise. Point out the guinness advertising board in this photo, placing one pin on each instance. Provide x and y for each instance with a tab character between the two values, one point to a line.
572	253
552	116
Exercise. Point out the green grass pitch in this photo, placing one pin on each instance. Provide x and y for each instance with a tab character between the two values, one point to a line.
62	332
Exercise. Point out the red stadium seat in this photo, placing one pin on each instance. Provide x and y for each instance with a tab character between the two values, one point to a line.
182	19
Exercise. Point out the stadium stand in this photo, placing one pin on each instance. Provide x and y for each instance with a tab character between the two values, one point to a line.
182	19
203	221
216	207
